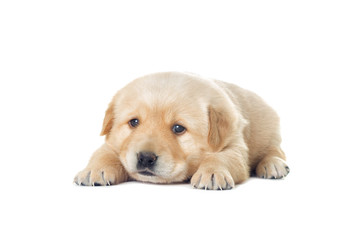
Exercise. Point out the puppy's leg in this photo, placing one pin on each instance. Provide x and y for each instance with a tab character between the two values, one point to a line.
273	165
104	168
221	170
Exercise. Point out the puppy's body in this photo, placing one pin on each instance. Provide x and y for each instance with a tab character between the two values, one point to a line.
170	127
263	124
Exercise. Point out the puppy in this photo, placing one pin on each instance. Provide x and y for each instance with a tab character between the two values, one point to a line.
173	127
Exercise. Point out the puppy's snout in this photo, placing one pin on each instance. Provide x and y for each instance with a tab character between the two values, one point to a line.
146	160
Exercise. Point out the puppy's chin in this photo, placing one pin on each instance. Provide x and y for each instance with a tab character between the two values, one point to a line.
166	171
157	179
148	177
154	177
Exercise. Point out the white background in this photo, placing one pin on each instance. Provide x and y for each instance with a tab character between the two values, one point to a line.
62	61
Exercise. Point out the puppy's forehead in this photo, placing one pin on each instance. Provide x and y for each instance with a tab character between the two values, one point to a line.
166	87
169	89
174	95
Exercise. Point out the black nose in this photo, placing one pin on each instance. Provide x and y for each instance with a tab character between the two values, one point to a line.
146	160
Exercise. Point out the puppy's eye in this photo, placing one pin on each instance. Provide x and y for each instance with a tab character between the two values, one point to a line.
178	129
134	122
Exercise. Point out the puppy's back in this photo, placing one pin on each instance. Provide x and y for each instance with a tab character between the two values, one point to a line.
262	130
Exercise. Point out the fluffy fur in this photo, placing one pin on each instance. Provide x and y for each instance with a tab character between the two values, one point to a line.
230	132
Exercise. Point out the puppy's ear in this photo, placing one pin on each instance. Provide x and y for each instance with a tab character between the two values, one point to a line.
108	120
219	128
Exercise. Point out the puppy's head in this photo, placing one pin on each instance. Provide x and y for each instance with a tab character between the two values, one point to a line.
161	126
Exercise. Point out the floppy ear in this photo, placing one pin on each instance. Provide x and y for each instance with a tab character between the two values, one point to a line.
219	128
108	120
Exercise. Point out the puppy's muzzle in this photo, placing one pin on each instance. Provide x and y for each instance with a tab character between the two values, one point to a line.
146	162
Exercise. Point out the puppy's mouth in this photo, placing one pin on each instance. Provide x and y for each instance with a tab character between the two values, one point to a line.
146	173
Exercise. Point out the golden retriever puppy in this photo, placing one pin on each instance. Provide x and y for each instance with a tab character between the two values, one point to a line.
173	127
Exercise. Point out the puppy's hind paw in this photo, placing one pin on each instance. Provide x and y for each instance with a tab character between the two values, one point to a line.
272	168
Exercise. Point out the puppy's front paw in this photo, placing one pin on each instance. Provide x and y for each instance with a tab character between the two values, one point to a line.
96	177
213	180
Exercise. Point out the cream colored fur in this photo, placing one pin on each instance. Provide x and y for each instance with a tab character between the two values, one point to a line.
230	132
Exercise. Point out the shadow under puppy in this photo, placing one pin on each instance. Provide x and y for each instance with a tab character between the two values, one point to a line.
170	127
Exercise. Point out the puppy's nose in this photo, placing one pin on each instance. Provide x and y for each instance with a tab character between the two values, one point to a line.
146	160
